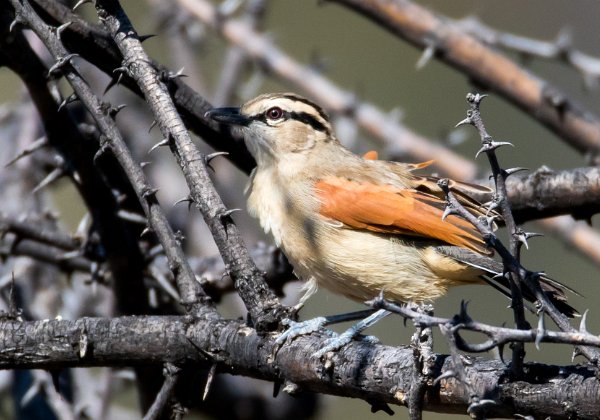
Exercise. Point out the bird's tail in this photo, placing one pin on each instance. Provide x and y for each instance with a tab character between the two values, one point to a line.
554	289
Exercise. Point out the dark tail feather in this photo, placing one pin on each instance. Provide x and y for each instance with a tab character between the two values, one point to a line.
553	289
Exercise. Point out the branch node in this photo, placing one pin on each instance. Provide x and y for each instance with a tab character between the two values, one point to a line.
60	64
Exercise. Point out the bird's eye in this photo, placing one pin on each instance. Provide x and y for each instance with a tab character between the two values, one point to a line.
274	113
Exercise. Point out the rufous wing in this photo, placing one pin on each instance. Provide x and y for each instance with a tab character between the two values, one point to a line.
393	210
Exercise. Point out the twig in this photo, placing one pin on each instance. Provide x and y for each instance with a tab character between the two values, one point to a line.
26	228
496	336
500	201
172	376
561	49
529	278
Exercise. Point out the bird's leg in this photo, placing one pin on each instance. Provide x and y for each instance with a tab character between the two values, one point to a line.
336	343
309	326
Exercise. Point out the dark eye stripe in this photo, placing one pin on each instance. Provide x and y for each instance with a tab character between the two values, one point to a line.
302	117
317	108
310	120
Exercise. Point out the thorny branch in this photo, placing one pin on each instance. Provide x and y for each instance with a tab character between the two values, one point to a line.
189	289
261	303
510	260
561	49
500	201
373	372
468	377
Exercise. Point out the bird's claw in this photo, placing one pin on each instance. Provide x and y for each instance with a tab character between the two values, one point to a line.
339	341
297	329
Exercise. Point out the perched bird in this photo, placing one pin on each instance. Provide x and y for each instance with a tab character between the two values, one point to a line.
356	225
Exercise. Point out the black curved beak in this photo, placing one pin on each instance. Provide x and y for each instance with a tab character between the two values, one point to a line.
229	116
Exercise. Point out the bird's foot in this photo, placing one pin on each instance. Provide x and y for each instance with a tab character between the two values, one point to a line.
297	329
340	340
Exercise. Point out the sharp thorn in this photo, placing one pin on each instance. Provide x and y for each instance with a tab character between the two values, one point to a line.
69	99
449	210
500	276
152	125
447	374
425	58
529	235
38	144
143	38
480	151
176	75
521	237
464	316
163	142
145	163
541	330
114	111
150	192
103	149
466	121
497	144
209	380
132	217
61	28
185	199
120	70
164	283
576	352
511	171
61	62
50	178
227	213
501	353
582	323
16	21
208	158
211	156
146	231
111	84
82	227
79	3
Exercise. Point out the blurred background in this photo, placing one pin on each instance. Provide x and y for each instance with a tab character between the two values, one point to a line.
363	59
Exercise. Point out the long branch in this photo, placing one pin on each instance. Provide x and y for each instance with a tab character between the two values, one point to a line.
489	68
376	373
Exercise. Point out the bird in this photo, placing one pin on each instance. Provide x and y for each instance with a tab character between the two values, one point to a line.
357	225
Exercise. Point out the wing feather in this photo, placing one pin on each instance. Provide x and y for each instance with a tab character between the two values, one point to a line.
388	209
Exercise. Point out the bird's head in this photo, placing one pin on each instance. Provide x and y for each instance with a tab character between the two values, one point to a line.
278	126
